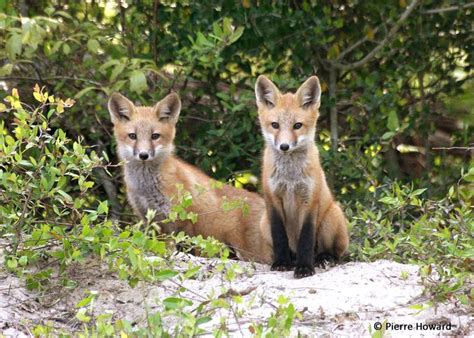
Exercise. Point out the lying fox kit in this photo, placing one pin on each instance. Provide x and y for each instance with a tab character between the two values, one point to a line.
301	213
144	137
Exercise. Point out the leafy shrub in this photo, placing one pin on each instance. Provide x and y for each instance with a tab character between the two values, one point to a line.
400	224
51	217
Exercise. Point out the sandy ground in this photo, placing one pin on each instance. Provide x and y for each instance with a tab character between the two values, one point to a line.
339	301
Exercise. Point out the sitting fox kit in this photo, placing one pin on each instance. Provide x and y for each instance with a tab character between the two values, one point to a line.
144	137
144	140
303	216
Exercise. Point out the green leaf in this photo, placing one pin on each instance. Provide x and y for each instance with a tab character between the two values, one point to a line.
173	303
192	272
118	69
193	217
203	320
66	49
227	25
108	64
103	208
66	196
6	69
23	260
13	46
84	302
12	263
418	192
388	135
388	200
93	46
84	91
132	256
82	317
236	35
392	121
201	39
469	177
333	52
217	29
166	274
138	81
157	247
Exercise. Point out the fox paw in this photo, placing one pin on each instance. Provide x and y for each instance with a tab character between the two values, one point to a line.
302	271
282	266
324	260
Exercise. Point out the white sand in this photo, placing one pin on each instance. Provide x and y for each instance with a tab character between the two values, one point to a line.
343	300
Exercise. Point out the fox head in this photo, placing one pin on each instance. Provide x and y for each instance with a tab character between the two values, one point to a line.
288	121
144	133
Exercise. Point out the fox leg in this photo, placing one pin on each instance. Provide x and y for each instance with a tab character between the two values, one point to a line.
305	251
281	249
333	238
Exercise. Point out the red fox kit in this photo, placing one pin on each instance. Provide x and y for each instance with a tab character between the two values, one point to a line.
144	138
303	216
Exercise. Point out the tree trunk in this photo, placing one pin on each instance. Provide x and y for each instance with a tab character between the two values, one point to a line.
333	110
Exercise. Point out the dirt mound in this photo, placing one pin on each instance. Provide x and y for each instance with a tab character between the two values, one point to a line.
345	299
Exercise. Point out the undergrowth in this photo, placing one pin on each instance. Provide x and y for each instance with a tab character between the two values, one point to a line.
51	220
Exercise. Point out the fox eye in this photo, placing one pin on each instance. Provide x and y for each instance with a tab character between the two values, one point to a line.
298	125
133	136
275	125
155	136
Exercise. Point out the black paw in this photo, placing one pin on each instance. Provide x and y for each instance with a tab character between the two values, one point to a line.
302	271
282	266
324	260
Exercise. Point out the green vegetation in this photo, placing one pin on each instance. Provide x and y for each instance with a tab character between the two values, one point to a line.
394	132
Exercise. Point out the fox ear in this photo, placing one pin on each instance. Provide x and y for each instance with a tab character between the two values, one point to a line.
120	108
309	94
266	92
169	108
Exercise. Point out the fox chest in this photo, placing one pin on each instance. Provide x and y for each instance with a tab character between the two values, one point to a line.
144	192
293	188
291	183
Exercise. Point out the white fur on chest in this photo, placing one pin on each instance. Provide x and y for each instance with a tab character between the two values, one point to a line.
289	177
144	189
290	182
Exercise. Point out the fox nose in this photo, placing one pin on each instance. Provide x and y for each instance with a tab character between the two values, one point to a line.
284	147
143	156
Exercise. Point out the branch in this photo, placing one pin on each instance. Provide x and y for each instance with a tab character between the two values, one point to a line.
448	9
123	23
333	111
154	33
355	45
383	43
453	148
28	78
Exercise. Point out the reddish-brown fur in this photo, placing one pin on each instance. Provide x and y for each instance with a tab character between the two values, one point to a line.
153	183
293	180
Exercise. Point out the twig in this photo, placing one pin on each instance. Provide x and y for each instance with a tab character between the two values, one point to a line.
123	23
453	148
421	82
110	188
27	78
333	110
232	292
383	43
154	33
355	45
448	9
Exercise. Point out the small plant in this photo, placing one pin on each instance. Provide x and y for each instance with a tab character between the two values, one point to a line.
280	322
401	225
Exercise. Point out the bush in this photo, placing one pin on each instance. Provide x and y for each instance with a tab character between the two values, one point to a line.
399	223
51	217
